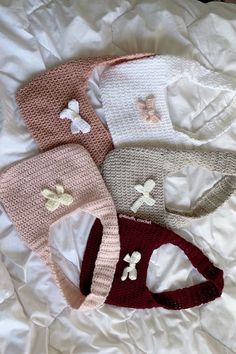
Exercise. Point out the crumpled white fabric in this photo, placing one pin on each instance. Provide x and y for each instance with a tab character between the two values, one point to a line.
6	286
36	35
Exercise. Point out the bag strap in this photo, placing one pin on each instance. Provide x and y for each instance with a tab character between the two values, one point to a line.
220	122
211	200
222	162
197	294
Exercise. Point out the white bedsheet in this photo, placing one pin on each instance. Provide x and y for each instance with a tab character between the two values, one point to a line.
34	319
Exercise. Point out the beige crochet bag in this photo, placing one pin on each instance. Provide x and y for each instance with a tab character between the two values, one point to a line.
135	178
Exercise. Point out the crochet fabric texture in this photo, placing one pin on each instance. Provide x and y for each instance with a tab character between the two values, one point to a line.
144	238
43	99
40	190
135	178
126	87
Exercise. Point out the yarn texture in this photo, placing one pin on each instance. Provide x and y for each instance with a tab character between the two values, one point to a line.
124	169
69	178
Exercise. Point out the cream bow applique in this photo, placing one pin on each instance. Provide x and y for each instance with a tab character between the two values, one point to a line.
148	111
145	197
131	269
78	124
55	199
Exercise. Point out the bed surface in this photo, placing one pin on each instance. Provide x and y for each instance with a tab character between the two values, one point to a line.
36	35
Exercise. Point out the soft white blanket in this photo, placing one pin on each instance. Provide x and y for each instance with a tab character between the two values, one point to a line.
37	34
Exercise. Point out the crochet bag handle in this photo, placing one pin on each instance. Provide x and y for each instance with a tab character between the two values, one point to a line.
93	62
196	294
221	122
210	201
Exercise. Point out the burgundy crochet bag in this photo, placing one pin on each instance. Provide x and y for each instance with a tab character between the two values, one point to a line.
143	238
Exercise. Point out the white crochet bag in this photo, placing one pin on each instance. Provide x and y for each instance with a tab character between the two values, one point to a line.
135	119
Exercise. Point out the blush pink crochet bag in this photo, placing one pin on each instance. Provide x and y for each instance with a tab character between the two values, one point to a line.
40	190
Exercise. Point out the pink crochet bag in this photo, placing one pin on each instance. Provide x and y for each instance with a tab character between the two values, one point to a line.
40	190
42	100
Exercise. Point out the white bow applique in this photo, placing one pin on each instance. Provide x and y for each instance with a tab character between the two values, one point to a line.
131	269
78	124
145	197
55	199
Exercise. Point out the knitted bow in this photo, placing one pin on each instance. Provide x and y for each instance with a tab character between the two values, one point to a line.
77	122
145	197
148	111
131	269
56	198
